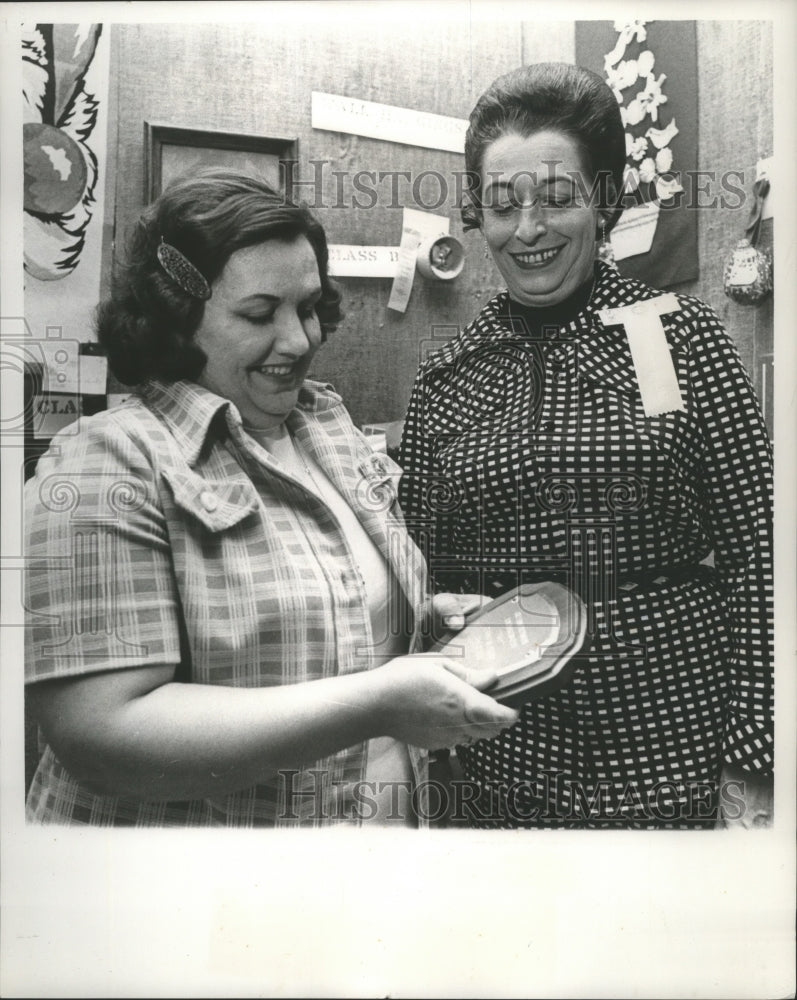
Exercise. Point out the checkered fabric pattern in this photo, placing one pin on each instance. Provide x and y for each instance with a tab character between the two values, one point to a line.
158	532
527	455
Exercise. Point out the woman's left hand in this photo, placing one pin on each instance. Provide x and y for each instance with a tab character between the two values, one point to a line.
449	611
750	805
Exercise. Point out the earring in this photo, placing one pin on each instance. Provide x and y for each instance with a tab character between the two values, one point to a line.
605	249
487	255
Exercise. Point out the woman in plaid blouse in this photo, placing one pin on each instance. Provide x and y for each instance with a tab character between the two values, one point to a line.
222	593
537	445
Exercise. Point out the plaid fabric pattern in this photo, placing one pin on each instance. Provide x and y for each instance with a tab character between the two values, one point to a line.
159	533
527	454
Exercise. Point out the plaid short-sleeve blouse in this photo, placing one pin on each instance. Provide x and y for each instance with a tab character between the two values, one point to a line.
157	533
527	454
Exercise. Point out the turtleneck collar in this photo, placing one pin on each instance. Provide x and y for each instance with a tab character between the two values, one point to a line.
556	315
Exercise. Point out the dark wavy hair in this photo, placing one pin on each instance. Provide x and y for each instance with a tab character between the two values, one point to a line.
148	324
557	97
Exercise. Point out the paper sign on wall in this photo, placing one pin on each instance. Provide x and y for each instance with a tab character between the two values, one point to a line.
416	226
635	231
53	412
765	168
385	121
68	371
61	360
350	261
117	398
93	374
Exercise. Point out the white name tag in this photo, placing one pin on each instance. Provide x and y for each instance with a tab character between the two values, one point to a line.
650	352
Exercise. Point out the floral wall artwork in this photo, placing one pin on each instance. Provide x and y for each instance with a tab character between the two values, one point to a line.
65	96
60	165
652	68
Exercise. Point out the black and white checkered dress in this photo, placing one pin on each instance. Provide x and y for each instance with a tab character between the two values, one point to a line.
527	455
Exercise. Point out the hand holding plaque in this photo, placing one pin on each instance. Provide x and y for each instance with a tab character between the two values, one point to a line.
528	636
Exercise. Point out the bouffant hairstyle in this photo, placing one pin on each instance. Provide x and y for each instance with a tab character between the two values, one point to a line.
557	97
148	324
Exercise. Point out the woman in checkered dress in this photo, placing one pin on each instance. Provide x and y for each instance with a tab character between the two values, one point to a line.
533	450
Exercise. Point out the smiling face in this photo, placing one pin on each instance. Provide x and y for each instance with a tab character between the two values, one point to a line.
260	330
535	217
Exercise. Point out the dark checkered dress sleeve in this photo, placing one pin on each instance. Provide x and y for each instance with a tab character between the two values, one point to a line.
737	488
429	496
415	458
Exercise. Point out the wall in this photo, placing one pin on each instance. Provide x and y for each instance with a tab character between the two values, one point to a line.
258	78
734	63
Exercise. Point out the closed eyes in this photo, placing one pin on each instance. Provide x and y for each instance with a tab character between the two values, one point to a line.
305	312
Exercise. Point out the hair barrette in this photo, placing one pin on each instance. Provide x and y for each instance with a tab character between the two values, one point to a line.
182	271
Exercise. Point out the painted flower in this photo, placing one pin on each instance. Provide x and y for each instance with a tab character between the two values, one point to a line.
651	97
626	32
622	74
635	148
628	29
667	187
663	160
634	113
645	63
647	170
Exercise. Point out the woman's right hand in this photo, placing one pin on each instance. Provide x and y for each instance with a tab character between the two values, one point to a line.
434	702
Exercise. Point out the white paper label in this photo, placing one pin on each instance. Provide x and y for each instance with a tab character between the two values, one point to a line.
650	352
385	121
93	374
765	168
117	398
69	371
61	365
634	233
349	261
53	412
416	226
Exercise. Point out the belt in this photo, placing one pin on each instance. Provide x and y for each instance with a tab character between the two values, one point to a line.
657	578
500	580
648	578
634	581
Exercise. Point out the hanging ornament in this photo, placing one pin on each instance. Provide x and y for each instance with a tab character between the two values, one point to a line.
748	271
605	248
